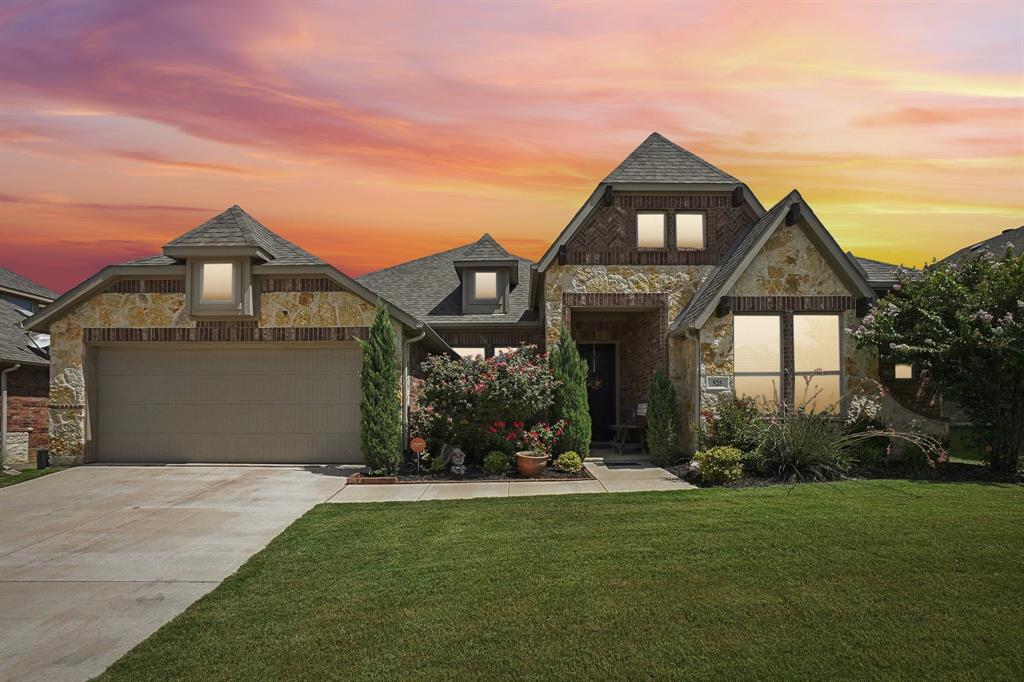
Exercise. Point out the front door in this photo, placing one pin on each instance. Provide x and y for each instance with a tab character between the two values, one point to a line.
601	388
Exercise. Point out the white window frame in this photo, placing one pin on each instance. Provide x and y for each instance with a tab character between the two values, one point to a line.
664	230
798	375
780	375
703	230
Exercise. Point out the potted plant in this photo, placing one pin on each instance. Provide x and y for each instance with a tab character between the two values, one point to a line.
535	446
530	463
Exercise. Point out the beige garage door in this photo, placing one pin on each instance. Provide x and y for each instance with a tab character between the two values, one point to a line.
218	404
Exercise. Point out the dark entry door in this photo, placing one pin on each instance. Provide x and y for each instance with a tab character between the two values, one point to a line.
601	388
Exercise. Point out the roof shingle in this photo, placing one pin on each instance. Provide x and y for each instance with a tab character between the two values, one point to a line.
235	227
430	289
658	160
15	282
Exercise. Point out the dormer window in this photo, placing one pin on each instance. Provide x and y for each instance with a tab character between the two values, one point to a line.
690	231
650	230
485	286
220	288
217	283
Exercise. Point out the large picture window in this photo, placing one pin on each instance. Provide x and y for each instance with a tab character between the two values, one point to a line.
817	363
757	356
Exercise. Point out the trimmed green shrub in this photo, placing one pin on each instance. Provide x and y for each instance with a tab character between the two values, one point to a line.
569	461
496	462
721	464
380	426
662	420
570	394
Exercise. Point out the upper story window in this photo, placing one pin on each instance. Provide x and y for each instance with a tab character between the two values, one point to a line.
220	287
690	231
904	371
650	230
485	286
469	351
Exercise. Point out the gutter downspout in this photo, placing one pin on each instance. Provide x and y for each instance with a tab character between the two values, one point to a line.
3	413
405	381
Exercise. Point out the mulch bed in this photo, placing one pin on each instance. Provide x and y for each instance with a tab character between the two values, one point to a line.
949	472
474	474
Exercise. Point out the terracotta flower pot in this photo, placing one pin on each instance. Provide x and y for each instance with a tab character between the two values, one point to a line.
530	464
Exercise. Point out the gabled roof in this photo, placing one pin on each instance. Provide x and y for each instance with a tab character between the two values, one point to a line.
721	279
430	287
994	245
236	228
658	159
15	344
12	282
657	164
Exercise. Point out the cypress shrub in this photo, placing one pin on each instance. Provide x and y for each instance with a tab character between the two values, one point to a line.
662	420
380	432
570	395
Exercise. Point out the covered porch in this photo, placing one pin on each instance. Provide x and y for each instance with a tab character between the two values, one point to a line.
623	348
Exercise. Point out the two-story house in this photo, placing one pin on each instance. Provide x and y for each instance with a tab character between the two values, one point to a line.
236	345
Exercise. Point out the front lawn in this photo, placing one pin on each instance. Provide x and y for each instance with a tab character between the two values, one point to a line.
861	579
26	475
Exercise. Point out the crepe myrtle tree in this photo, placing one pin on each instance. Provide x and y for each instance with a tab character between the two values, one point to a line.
380	431
570	394
963	323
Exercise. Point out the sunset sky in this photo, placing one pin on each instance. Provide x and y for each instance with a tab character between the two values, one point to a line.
374	133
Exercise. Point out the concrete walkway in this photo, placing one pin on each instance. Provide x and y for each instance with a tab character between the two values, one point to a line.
612	475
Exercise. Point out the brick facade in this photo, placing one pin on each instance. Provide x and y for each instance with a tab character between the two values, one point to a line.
27	406
608	237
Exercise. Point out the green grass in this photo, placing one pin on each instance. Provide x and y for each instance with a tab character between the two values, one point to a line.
862	579
26	475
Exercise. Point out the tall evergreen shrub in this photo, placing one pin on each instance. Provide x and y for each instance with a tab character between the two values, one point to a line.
570	395
381	410
662	420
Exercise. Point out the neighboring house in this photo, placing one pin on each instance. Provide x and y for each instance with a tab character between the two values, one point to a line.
24	366
995	245
235	345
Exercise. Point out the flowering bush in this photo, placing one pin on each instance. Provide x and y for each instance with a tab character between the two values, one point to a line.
474	402
963	324
541	437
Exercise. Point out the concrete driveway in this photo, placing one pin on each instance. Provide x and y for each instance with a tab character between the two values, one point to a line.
94	559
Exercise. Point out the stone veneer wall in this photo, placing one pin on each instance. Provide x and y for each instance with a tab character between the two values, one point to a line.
675	285
124	306
790	268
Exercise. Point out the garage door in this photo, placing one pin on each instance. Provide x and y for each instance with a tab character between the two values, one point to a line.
237	404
